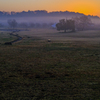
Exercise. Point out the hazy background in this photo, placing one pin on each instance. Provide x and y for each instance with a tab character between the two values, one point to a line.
23	11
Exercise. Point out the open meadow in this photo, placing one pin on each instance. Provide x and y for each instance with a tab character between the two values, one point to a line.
92	36
67	68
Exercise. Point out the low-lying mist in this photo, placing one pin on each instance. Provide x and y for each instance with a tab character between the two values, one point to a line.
43	21
32	19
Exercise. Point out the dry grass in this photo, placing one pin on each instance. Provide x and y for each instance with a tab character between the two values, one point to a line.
34	69
53	34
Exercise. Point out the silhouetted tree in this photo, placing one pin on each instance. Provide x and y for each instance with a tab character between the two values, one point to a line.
77	21
82	23
12	23
66	25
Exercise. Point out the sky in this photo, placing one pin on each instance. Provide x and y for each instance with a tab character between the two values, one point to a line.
88	7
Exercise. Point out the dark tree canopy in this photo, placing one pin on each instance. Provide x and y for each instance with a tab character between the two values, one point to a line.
66	25
12	23
82	22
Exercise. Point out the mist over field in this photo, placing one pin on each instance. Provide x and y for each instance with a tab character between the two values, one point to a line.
45	20
32	19
42	16
40	19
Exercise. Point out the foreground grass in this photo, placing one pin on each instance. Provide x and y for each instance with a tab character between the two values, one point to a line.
37	70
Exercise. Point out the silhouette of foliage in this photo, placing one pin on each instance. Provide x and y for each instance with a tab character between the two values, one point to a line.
66	25
12	23
82	22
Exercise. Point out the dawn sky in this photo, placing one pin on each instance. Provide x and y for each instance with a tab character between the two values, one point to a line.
91	7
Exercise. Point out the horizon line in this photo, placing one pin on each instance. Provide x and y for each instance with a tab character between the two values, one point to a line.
50	11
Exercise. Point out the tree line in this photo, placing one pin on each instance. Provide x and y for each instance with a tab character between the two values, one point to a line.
76	23
13	24
66	25
42	13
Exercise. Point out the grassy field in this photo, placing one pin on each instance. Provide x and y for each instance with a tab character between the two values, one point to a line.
63	69
92	36
6	37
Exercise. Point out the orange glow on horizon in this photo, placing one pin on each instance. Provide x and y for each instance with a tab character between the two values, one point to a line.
84	7
87	7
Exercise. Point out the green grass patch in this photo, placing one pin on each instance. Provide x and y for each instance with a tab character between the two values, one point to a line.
6	37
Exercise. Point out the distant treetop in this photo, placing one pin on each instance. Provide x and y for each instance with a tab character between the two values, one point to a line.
42	13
